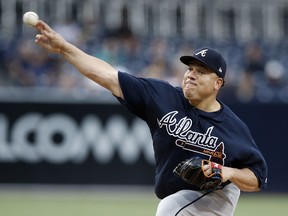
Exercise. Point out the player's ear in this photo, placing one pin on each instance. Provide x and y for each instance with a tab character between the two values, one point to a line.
219	82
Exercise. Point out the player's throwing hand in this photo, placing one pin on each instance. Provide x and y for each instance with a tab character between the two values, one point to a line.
48	38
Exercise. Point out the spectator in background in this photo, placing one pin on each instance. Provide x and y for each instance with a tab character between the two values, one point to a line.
71	31
34	69
254	64
31	68
274	81
157	53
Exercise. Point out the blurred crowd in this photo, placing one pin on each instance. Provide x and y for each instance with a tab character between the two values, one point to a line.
256	69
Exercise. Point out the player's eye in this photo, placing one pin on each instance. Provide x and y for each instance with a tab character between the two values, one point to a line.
201	72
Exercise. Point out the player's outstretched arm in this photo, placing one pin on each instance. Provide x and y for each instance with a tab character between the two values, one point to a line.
95	69
244	178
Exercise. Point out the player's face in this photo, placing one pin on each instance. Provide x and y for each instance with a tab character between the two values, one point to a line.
200	83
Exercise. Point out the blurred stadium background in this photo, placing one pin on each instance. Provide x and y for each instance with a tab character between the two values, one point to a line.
67	146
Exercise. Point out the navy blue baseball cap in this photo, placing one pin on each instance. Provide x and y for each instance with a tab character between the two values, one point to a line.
210	58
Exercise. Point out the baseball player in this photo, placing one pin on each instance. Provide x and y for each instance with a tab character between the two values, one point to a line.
205	155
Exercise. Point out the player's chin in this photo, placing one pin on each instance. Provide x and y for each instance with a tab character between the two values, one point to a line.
190	95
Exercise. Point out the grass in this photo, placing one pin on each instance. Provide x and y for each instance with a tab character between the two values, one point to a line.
262	205
77	206
91	203
74	203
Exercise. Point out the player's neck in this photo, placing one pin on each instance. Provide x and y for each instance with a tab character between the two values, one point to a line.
207	105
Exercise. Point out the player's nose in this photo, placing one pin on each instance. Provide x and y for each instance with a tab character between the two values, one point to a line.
191	74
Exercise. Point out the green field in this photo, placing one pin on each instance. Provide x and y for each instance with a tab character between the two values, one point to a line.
93	202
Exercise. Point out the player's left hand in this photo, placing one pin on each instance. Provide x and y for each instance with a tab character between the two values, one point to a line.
209	166
204	174
207	169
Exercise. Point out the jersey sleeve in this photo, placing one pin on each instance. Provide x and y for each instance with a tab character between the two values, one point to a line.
140	93
258	164
135	96
250	156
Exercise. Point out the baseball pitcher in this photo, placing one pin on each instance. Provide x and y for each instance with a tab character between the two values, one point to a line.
205	155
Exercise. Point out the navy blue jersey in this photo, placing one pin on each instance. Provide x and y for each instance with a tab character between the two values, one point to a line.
180	131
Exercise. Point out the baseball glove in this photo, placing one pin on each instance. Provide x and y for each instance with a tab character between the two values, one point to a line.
192	172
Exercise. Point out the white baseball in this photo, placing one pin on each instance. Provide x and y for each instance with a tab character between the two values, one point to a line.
30	18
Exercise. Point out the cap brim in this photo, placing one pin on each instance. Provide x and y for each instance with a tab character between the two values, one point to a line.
189	59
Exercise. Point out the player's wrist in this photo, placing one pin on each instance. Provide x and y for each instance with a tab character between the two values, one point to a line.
227	173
